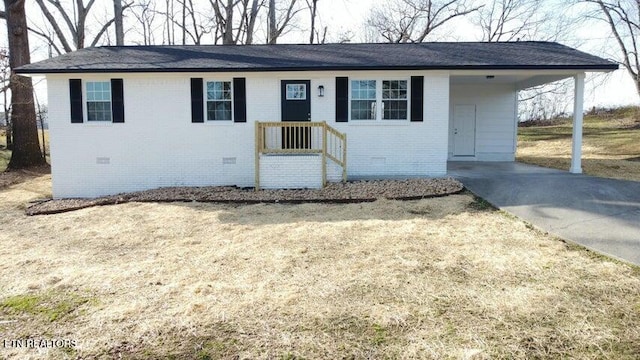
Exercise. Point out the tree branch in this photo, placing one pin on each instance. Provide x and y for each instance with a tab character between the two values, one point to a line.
47	37
54	23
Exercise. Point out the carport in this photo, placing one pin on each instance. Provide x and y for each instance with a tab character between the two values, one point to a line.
483	120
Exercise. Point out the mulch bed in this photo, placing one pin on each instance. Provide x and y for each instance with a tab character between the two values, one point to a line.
357	191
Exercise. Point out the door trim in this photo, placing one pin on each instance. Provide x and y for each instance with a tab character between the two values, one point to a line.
453	130
283	97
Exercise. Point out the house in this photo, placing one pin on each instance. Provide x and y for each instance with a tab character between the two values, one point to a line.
140	117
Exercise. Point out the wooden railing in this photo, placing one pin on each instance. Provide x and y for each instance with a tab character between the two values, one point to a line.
301	137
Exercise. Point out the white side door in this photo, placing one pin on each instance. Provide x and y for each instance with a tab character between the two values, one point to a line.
464	130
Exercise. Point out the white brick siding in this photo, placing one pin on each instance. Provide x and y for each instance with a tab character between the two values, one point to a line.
290	171
296	171
159	146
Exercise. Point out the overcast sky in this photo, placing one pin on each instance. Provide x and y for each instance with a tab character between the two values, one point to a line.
347	18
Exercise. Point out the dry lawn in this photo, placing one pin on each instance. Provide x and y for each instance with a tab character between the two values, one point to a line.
437	278
611	146
5	155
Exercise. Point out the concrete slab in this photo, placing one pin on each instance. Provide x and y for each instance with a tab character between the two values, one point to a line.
601	214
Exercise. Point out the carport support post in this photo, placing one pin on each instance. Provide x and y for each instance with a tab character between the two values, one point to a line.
578	110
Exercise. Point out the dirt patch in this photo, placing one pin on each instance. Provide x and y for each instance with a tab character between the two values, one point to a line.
357	191
17	176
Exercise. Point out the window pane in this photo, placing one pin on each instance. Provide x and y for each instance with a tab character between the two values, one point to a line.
99	101
394	103
219	110
98	110
363	99
296	92
394	89
394	109
363	89
218	90
363	109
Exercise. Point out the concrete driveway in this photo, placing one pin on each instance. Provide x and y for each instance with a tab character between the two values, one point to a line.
601	214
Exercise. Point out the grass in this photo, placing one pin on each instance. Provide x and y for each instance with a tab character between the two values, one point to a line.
51	306
5	155
611	146
434	278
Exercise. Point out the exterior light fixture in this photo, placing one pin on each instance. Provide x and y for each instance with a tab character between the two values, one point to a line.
321	91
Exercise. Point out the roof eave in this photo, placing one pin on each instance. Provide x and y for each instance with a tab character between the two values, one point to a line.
599	68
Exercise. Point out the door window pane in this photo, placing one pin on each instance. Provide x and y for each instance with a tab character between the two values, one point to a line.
296	91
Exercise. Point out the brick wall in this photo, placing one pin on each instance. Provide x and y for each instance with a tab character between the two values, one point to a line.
158	145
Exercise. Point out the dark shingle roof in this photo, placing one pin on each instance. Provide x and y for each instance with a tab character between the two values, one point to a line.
286	57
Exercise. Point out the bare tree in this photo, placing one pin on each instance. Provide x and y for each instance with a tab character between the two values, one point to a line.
508	20
250	16
280	16
75	24
26	147
236	19
41	114
145	14
413	20
314	33
224	10
194	24
623	18
117	16
271	20
545	102
5	76
169	24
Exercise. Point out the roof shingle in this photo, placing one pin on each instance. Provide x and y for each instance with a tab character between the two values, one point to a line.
288	57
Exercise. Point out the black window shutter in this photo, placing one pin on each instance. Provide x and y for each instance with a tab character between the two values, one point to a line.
342	99
417	98
75	95
239	100
117	100
197	105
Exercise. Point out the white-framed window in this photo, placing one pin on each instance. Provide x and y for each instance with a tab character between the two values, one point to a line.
219	101
385	99
394	100
363	100
296	91
98	101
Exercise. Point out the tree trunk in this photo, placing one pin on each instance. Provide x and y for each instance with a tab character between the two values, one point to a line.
8	133
314	8
273	26
228	26
80	30
26	147
184	22
251	24
7	119
117	11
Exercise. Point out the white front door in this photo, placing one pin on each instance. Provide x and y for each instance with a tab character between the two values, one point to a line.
464	130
